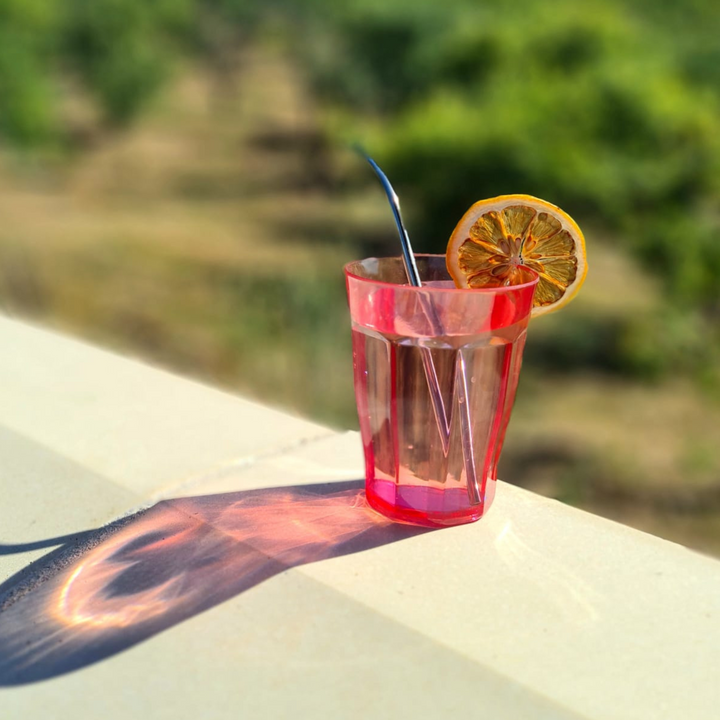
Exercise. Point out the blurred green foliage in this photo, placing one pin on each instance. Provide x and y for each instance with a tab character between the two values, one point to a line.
609	108
27	41
111	54
120	50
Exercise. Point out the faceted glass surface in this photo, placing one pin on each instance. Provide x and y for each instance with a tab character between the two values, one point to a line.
436	369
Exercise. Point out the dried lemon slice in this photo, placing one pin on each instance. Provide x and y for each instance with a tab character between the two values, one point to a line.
497	238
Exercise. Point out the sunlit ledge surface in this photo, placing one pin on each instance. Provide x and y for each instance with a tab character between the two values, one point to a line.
170	551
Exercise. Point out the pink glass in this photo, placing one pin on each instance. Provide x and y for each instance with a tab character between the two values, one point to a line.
436	369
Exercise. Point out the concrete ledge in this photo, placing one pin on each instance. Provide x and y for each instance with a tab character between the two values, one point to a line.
258	585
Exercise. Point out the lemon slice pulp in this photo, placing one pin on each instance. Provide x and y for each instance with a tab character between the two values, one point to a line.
497	238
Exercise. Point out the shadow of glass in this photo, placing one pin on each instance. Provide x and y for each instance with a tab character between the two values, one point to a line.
111	588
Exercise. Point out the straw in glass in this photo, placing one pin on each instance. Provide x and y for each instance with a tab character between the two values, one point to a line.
441	415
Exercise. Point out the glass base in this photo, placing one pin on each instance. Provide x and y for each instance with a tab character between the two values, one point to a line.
421	505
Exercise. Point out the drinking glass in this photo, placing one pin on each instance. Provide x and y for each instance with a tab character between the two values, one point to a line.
435	369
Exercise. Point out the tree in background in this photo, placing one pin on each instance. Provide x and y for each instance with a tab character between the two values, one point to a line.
610	109
27	45
109	56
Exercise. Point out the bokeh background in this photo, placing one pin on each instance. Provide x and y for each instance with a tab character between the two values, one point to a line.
175	184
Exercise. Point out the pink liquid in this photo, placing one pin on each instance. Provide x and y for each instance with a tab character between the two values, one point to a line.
411	475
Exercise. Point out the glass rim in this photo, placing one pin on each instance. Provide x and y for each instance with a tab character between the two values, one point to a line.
429	288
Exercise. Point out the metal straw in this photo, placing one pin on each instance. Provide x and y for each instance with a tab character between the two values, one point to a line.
441	415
